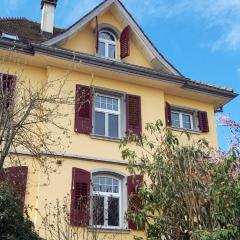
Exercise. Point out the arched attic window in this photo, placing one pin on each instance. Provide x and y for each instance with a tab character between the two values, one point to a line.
107	44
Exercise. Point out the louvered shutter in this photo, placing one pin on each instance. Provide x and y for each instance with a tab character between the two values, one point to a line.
83	109
168	114
203	121
80	198
97	35
133	114
8	83
134	201
17	178
125	42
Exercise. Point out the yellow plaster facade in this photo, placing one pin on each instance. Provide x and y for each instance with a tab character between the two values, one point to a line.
84	41
86	151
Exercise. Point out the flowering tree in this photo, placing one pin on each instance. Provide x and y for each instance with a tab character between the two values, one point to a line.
189	191
234	129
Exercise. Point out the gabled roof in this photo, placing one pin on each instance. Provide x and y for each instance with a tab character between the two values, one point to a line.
148	49
26	30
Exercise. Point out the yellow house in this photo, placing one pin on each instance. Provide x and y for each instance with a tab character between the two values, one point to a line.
120	82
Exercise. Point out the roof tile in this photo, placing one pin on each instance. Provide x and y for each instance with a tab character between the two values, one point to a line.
26	30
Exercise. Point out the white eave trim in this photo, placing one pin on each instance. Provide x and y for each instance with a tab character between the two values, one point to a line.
137	31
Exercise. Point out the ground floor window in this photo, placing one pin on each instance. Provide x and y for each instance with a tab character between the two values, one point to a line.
106	201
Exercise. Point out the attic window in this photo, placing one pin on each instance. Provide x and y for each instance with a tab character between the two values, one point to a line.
107	45
10	36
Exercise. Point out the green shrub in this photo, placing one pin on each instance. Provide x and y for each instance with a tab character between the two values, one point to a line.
13	225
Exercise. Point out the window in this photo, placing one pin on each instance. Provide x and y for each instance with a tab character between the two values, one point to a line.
182	120
107	45
106	201
107	116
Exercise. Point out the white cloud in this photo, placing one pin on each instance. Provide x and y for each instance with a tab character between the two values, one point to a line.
221	14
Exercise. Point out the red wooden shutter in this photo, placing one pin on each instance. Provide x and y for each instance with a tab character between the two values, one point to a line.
134	201
168	114
133	114
97	35
17	178
8	83
125	42
80	198
83	109
203	121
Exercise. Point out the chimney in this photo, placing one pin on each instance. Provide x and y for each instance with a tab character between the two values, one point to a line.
48	12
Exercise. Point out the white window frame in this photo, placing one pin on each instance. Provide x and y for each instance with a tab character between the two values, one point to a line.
181	119
107	43
107	112
107	195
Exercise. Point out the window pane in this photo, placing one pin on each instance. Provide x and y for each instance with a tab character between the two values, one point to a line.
113	125
109	188
98	210
101	49
113	212
100	123
109	181
102	180
115	189
175	119
102	188
115	104
111	51
186	121
115	182
107	36
103	102
95	187
109	103
97	101
96	180
115	186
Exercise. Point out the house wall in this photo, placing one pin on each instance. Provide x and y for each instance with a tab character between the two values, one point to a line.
56	186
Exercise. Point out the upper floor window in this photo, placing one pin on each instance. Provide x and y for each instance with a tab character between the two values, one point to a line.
107	116
182	120
107	44
106	113
189	119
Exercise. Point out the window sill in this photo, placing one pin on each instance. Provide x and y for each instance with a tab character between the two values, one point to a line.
98	137
110	59
197	132
108	230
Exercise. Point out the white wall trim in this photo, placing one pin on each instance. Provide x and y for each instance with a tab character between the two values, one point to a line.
75	156
109	170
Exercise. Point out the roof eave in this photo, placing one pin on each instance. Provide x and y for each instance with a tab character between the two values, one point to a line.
69	55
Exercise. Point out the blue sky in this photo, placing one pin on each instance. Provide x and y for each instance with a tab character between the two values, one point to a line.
201	38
